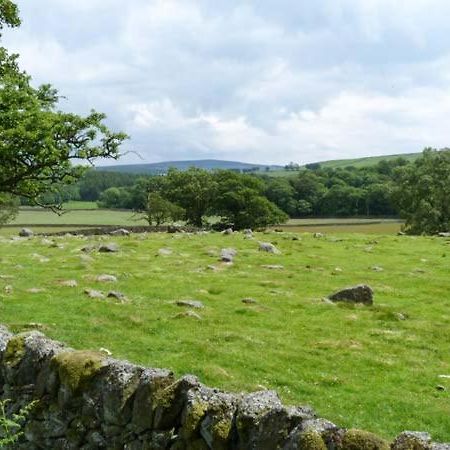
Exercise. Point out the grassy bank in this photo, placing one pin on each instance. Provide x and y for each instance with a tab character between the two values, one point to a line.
361	367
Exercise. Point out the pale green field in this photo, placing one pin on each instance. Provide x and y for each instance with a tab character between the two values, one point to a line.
375	368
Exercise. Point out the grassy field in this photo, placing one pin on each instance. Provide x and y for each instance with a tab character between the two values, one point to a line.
375	368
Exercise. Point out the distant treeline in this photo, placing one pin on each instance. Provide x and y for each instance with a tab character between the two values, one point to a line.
313	191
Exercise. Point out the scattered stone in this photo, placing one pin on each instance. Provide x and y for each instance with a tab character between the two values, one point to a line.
318	235
92	293
295	238
399	316
211	267
8	289
439	387
191	314
269	248
273	266
25	232
35	290
67	283
120	232
356	294
377	269
88	248
249	301
444	376
105	278
118	296
412	440
444	234
247	233
227	231
165	252
227	254
337	270
190	304
108	248
401	233
6	277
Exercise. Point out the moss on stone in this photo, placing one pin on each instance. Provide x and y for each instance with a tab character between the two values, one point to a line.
221	430
363	440
15	350
78	367
194	416
311	440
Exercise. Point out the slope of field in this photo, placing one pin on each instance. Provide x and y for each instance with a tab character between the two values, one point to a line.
375	368
368	161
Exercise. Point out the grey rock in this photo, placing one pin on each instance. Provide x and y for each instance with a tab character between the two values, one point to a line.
444	234
412	439
249	301
120	232
106	278
165	252
440	446
92	293
108	248
356	294
318	235
88	248
273	266
228	254
190	303
68	283
118	296
228	231
269	248
26	232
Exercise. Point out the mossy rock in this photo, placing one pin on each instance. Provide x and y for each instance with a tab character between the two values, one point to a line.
363	440
311	440
76	368
15	351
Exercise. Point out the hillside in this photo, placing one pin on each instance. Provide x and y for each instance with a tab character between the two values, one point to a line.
207	164
274	170
368	161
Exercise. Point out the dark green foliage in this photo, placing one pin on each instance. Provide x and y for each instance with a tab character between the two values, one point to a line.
422	193
159	210
8	207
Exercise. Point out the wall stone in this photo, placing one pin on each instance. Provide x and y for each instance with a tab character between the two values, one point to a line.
87	400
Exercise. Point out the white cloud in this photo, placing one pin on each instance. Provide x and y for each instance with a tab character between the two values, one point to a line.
255	81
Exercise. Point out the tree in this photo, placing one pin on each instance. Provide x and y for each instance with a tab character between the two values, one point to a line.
193	190
38	143
9	206
160	210
422	193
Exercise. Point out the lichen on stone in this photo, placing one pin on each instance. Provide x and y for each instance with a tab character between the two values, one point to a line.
15	350
311	440
75	368
363	440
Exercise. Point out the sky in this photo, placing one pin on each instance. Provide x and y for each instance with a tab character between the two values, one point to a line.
255	81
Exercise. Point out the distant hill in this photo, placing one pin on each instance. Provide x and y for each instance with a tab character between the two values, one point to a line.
367	161
207	164
270	169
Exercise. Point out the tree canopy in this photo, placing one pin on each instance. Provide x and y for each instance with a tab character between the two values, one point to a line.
422	193
41	147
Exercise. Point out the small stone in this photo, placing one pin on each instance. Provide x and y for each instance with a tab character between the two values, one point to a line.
228	231
227	254
249	301
88	248
399	316
105	278
35	290
108	248
118	296
318	235
211	267
439	387
269	248
190	314
377	269
444	234
8	289
67	283
273	266
356	294
92	293
120	232
25	232
190	303
105	351
165	252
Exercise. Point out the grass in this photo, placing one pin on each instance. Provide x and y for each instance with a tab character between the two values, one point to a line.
361	367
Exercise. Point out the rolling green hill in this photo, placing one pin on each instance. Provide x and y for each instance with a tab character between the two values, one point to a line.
273	170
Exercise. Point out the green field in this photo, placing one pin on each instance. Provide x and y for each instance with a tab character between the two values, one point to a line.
375	368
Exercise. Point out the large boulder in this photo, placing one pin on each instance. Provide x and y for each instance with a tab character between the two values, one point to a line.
356	294
227	254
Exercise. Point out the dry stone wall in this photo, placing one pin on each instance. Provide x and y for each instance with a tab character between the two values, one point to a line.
87	400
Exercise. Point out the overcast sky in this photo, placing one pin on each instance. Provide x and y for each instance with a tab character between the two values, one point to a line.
257	81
